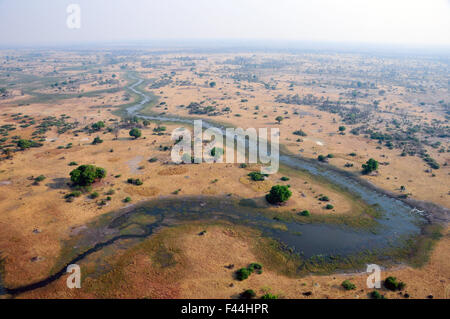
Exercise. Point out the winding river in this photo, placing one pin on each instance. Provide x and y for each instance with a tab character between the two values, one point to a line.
398	221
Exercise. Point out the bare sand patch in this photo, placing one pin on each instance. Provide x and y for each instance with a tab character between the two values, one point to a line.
173	170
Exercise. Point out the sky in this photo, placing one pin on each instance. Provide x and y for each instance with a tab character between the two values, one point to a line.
44	22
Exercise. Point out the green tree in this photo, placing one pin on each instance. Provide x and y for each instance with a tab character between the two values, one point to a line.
243	273
391	283
370	166
85	175
248	294
212	84
278	194
348	285
97	140
279	119
24	144
341	128
135	132
98	126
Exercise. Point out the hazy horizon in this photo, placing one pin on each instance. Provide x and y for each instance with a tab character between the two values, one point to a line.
37	23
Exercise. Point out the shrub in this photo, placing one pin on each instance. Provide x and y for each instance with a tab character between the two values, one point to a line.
370	166
135	132
73	163
391	283
243	273
376	295
305	213
159	129
329	206
127	199
255	267
153	159
324	199
40	178
24	144
257	176
279	119
94	195
348	285
278	194
321	158
269	296
110	192
73	194
248	294
85	175
284	178
135	181
98	126
300	133
97	140
330	155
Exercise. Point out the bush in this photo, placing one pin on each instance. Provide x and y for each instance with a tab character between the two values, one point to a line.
269	296
73	163
278	194
243	274
370	166
73	194
97	140
135	132
257	176
300	133
329	206
255	267
98	126
127	199
85	175
391	283
321	158
94	195
24	144
324	199
40	178
376	295
248	294
284	178
305	213
348	285
135	181
153	159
